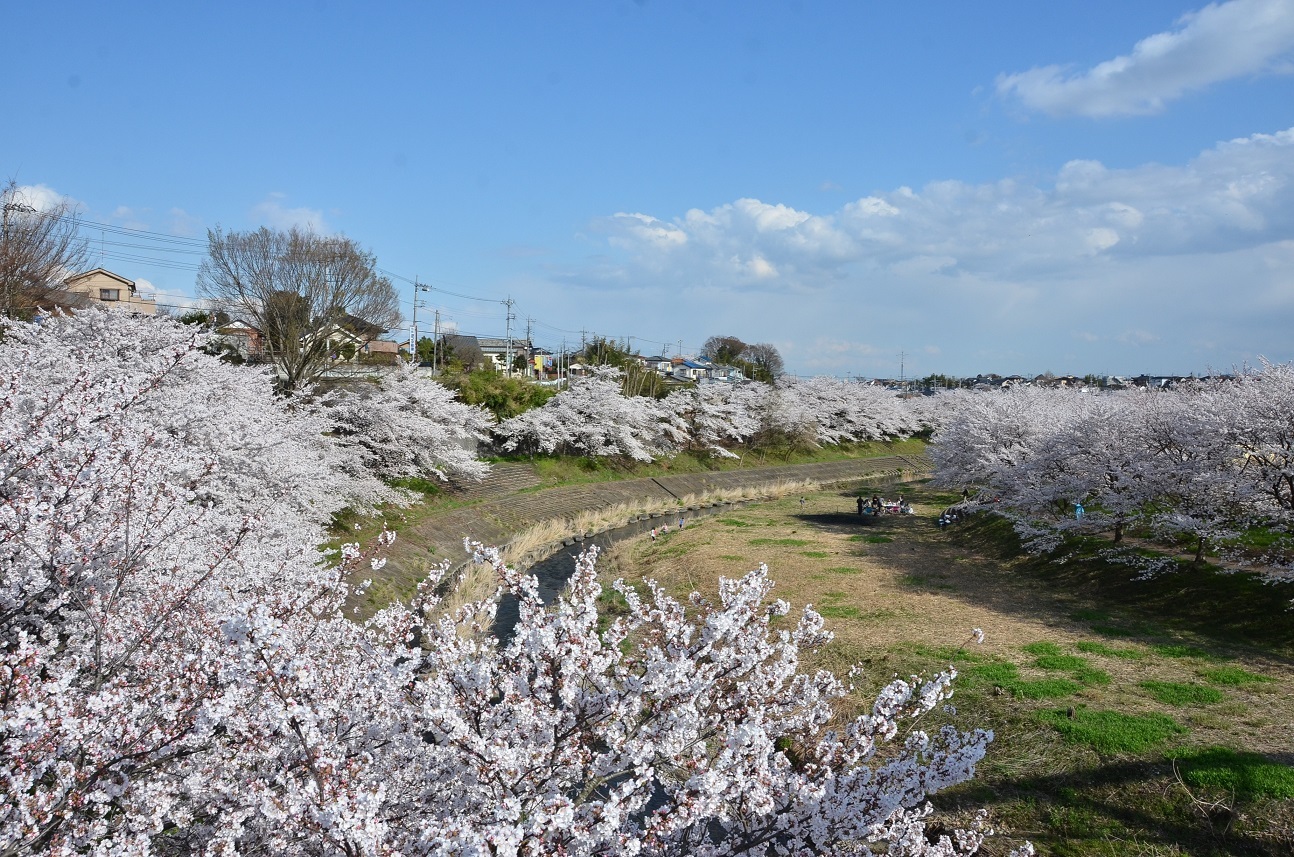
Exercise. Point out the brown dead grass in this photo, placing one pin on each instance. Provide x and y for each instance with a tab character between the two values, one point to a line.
923	587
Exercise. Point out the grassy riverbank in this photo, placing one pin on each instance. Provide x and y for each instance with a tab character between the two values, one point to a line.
1142	717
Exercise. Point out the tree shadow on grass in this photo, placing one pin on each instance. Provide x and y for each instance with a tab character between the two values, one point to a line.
840	522
1115	800
1225	609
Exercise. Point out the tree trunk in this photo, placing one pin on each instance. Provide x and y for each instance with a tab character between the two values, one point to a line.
1118	532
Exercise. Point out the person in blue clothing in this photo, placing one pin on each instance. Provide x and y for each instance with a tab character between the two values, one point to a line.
1078	511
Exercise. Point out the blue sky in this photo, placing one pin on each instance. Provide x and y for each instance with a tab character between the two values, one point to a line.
997	187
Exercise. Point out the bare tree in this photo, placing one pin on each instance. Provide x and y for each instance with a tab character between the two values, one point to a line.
299	289
39	249
723	349
765	359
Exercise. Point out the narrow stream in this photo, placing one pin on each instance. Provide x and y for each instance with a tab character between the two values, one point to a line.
552	572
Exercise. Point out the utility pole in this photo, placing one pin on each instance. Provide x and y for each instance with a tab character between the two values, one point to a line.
435	342
902	358
530	355
508	303
417	287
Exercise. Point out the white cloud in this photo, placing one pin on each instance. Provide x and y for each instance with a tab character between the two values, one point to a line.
1238	194
1220	42
130	218
272	212
44	198
1143	261
183	223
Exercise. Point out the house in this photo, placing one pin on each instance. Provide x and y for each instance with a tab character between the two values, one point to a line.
727	374
496	351
349	342
658	364
380	351
112	291
247	340
689	370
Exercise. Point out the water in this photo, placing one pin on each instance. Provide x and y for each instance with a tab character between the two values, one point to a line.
554	571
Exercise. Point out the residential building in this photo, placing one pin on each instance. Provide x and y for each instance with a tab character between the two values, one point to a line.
111	291
246	339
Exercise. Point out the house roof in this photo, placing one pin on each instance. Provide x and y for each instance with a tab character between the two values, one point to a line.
501	344
361	326
237	326
118	277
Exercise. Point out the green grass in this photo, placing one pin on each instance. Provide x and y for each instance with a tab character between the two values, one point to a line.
1093	648
815	554
1232	677
674	550
844	569
570	470
1060	663
1245	775
943	655
1091	676
790	543
1111	732
1175	693
831	608
425	487
1049	657
878	540
732	557
1007	676
735	522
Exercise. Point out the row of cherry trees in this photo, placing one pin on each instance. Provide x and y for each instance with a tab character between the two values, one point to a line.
1206	461
594	418
177	675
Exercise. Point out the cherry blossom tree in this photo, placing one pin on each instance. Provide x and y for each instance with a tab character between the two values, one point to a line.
847	411
1260	402
717	416
1203	460
405	425
177	675
594	418
148	490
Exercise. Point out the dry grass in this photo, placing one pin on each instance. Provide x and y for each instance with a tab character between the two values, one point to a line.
909	601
